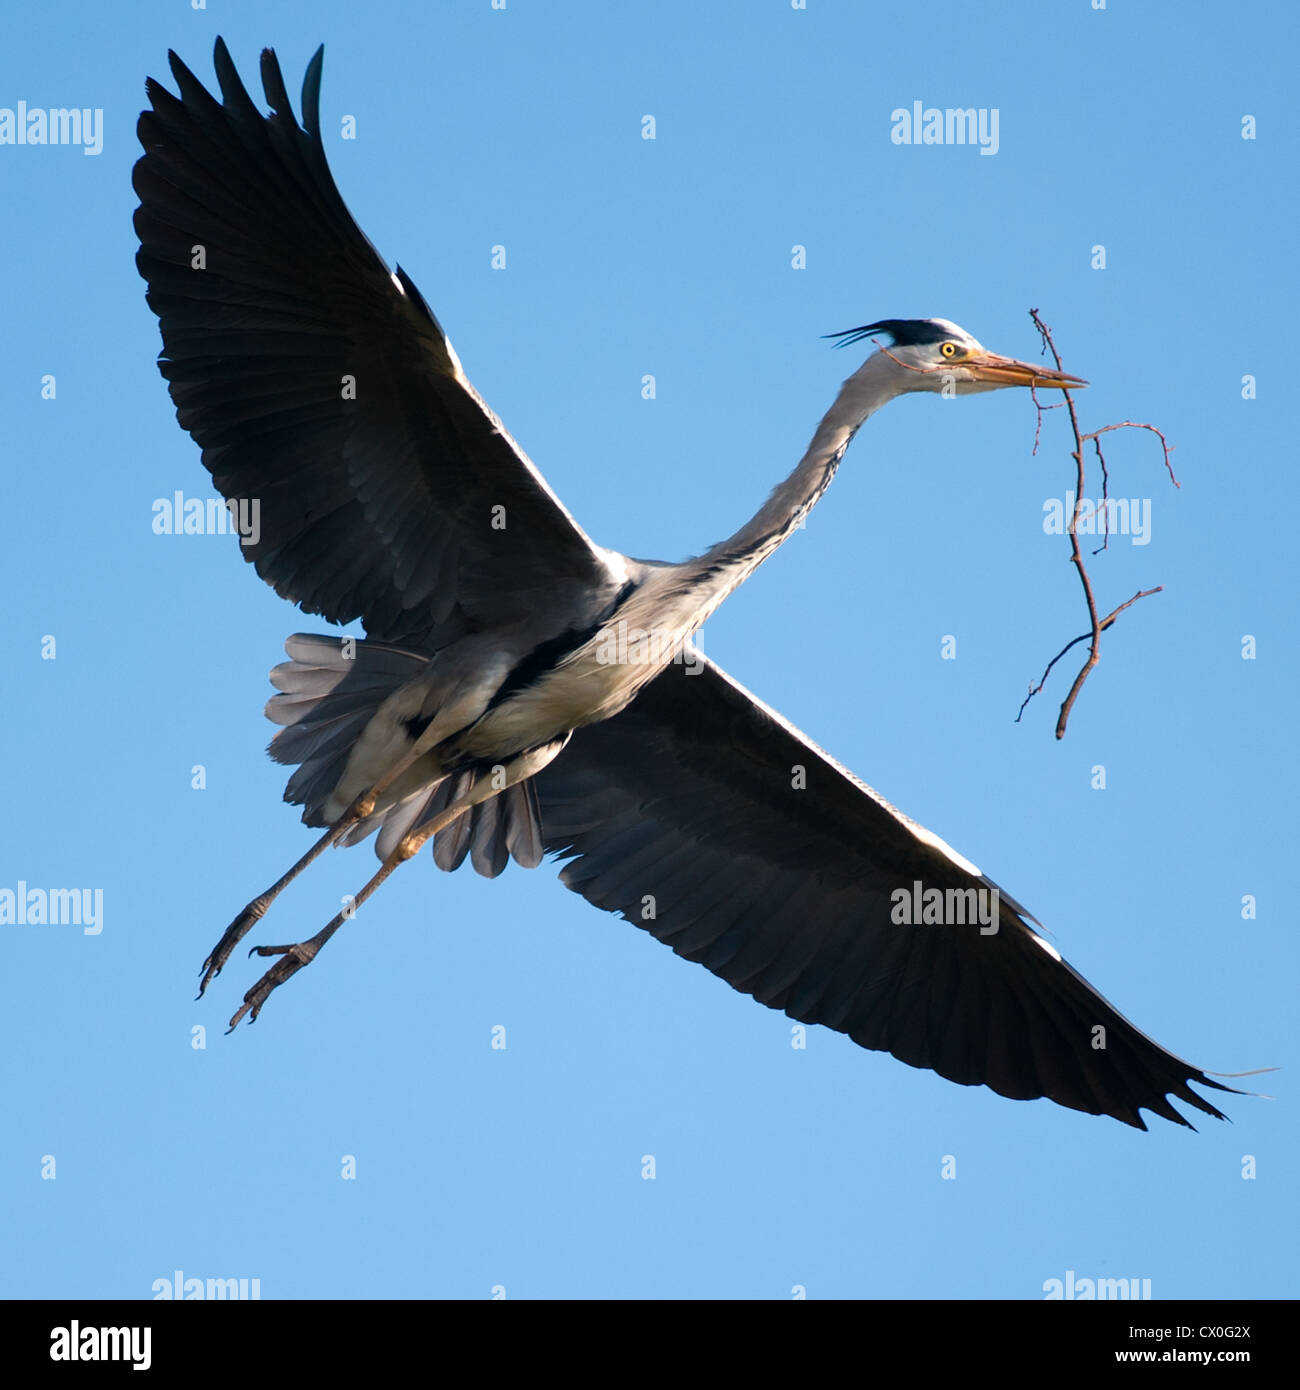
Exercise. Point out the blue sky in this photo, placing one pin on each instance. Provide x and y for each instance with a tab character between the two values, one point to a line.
776	1169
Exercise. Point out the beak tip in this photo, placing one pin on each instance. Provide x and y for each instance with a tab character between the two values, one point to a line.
996	370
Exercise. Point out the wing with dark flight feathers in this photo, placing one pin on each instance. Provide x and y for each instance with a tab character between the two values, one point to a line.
322	386
688	796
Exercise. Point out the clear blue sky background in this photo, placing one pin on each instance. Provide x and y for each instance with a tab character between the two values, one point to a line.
775	1168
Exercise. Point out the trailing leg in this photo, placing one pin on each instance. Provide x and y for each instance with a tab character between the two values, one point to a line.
489	783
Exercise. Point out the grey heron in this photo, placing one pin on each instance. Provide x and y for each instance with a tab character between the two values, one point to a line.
494	706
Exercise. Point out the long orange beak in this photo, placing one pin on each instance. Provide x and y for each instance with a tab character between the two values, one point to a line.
1007	371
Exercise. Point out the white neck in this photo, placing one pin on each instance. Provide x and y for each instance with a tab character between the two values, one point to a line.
730	562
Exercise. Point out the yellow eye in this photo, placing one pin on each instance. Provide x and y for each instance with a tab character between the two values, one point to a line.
949	349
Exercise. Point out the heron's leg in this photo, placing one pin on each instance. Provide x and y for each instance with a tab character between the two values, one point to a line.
483	788
255	910
300	953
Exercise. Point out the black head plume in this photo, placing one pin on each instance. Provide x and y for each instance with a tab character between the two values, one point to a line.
902	332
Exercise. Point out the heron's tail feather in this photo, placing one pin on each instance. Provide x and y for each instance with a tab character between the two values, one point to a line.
493	832
329	691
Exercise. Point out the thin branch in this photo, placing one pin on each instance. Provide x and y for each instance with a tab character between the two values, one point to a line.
1105	472
1083	637
1038	422
921	371
1096	625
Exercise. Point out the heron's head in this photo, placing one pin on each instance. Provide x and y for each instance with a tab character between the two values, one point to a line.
931	354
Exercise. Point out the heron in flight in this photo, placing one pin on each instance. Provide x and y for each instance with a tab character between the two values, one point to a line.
522	690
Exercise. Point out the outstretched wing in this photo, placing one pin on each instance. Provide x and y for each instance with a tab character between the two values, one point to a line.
322	387
793	894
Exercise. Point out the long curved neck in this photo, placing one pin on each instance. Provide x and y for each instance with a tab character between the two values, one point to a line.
730	562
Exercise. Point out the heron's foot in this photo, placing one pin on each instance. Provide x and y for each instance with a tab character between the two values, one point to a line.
292	959
231	938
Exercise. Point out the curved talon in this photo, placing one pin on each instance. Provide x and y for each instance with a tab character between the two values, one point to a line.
292	959
294	956
261	991
231	938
